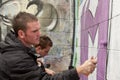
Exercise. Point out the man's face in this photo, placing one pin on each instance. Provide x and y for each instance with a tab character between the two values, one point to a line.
32	33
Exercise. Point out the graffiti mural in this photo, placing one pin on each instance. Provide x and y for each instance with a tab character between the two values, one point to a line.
92	23
11	7
6	15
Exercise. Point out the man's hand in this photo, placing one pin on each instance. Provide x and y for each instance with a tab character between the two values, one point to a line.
87	67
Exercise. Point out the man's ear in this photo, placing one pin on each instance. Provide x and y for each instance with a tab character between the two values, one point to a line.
21	33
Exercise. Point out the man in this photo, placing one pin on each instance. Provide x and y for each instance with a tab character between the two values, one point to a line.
18	61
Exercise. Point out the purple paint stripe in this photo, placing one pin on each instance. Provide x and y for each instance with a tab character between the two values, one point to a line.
87	23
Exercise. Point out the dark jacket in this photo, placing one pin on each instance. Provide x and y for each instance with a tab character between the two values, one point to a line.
18	62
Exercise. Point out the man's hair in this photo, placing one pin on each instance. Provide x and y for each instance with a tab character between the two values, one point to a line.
20	21
44	42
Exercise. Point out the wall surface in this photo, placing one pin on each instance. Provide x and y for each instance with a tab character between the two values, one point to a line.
79	29
93	16
97	34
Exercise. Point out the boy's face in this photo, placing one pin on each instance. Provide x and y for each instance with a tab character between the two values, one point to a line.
43	52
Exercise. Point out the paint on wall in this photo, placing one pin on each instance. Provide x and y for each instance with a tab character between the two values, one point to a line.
93	25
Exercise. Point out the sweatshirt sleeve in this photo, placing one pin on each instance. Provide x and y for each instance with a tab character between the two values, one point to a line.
65	75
